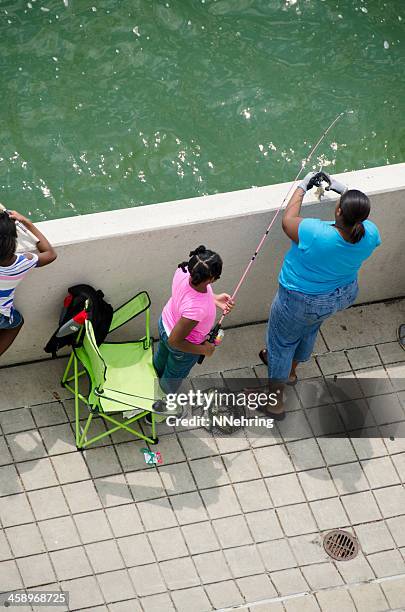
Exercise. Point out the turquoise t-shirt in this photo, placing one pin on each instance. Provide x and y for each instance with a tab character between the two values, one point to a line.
322	260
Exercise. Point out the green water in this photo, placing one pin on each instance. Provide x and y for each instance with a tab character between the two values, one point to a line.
117	103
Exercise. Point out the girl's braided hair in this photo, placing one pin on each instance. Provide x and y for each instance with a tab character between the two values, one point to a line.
202	265
8	236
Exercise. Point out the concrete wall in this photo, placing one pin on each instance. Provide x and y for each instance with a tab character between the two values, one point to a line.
128	250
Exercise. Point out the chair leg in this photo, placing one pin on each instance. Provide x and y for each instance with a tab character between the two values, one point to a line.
154	436
67	369
77	407
83	435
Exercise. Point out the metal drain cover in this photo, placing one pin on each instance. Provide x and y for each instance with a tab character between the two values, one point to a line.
341	545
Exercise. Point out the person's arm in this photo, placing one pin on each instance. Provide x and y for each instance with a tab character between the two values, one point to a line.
178	335
291	216
47	253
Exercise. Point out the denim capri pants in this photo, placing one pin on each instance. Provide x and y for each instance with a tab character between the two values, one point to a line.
172	366
294	321
15	320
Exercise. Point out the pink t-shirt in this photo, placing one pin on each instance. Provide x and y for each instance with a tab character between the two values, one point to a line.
191	304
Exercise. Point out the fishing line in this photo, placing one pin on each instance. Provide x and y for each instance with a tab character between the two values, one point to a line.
214	332
262	241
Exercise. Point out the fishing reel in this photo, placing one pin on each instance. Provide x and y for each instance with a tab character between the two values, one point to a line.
322	182
215	336
318	179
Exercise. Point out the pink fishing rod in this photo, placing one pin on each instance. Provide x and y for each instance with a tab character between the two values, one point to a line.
216	334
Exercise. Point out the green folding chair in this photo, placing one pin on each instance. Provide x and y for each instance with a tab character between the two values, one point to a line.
121	377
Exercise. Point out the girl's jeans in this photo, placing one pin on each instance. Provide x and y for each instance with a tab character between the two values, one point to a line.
294	321
172	366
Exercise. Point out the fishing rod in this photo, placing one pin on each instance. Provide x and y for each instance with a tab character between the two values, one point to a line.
216	334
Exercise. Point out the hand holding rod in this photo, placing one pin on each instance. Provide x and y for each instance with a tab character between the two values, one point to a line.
211	337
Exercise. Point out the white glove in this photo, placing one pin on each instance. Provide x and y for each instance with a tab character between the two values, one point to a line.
336	186
306	180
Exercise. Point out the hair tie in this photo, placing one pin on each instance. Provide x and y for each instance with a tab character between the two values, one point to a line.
198	251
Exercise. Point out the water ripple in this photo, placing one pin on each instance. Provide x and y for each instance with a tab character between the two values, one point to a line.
134	102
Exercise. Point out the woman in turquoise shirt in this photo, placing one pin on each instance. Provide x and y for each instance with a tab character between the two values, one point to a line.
317	279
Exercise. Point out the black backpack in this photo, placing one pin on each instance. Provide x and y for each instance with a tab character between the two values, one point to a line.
73	316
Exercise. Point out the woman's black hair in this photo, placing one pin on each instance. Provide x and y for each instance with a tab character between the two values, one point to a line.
355	207
202	265
8	236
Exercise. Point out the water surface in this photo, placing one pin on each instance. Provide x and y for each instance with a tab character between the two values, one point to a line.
113	104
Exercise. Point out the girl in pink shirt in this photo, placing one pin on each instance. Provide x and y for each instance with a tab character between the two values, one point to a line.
188	317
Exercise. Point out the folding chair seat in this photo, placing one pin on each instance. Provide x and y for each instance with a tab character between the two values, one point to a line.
121	377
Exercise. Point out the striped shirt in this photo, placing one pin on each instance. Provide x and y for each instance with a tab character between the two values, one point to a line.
10	277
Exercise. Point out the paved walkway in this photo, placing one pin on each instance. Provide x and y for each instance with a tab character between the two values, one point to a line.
225	522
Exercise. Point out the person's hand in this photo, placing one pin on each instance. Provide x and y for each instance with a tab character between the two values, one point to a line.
225	302
16	216
315	179
208	348
304	185
337	186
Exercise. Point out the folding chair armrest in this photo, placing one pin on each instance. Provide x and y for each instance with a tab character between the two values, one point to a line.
131	309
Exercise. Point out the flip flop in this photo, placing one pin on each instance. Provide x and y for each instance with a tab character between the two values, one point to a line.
401	335
277	416
263	356
291	381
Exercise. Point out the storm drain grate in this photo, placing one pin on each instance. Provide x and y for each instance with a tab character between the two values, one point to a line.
340	545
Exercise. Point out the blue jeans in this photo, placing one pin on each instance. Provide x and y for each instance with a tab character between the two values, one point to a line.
15	320
171	365
294	322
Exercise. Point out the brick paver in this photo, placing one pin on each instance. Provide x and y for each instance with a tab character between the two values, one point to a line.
225	521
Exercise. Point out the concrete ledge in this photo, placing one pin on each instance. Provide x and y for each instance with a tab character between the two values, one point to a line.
127	250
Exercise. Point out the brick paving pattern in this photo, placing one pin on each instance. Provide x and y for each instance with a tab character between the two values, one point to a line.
224	522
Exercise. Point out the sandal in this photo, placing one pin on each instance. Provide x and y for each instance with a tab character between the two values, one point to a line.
276	416
263	356
292	380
